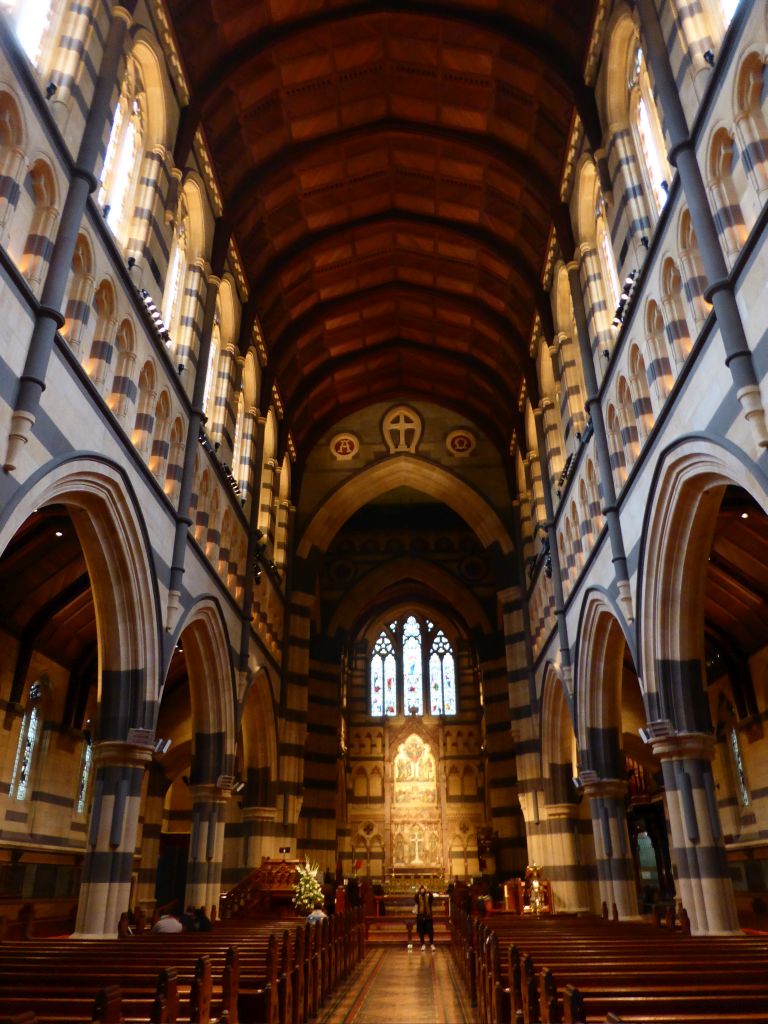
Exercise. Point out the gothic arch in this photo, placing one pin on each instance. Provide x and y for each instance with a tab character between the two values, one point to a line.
211	688
117	552
258	725
404	470
603	635
677	533
433	576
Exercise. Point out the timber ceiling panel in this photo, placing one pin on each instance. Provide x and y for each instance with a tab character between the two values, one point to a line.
391	171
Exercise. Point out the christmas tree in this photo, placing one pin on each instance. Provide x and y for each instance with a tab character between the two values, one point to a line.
306	891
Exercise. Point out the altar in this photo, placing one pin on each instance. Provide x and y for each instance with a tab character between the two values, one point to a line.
417	813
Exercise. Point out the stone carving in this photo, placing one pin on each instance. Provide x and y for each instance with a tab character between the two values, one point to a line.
414	773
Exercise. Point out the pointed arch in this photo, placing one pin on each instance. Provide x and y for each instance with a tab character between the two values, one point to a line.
212	689
118	556
681	515
408	471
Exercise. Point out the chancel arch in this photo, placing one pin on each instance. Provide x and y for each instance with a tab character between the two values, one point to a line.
404	471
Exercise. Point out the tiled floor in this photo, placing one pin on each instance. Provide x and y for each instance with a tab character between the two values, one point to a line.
393	986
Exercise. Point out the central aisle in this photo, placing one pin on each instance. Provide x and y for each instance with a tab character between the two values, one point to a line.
393	986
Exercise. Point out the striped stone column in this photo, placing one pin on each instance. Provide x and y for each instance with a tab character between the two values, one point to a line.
188	331
105	890
245	469
615	865
148	242
625	174
219	427
571	397
564	863
698	854
554	446
206	845
259	839
501	771
599	316
152	827
283	516
293	712
266	498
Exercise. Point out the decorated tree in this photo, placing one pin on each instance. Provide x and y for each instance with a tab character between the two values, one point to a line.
307	892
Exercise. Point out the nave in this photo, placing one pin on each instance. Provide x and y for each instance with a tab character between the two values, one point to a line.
401	986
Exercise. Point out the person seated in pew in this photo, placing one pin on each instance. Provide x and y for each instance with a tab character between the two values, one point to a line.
318	914
124	927
188	919
168	924
200	921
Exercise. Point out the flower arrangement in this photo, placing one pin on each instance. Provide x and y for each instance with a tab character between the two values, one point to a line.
306	890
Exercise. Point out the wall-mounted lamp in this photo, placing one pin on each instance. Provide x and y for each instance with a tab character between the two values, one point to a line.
50	90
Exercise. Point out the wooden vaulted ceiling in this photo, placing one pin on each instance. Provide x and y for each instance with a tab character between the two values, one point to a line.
391	172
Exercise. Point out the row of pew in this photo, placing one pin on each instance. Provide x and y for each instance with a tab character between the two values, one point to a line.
580	970
269	972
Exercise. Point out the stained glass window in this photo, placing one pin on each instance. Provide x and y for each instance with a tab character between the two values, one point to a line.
738	764
442	677
383	677
25	751
399	664
85	778
412	668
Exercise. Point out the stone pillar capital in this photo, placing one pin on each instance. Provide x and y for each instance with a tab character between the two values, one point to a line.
122	753
595	787
259	813
562	811
682	745
208	792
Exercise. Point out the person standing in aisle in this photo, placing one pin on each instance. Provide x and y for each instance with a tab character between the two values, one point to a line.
423	902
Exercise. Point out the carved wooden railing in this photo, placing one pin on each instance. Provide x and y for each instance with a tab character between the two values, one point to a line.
261	891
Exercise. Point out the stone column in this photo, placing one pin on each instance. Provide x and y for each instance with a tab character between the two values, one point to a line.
602	451
283	511
600	318
152	827
183	518
698	853
259	840
615	865
105	890
554	554
564	866
682	155
49	318
206	846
